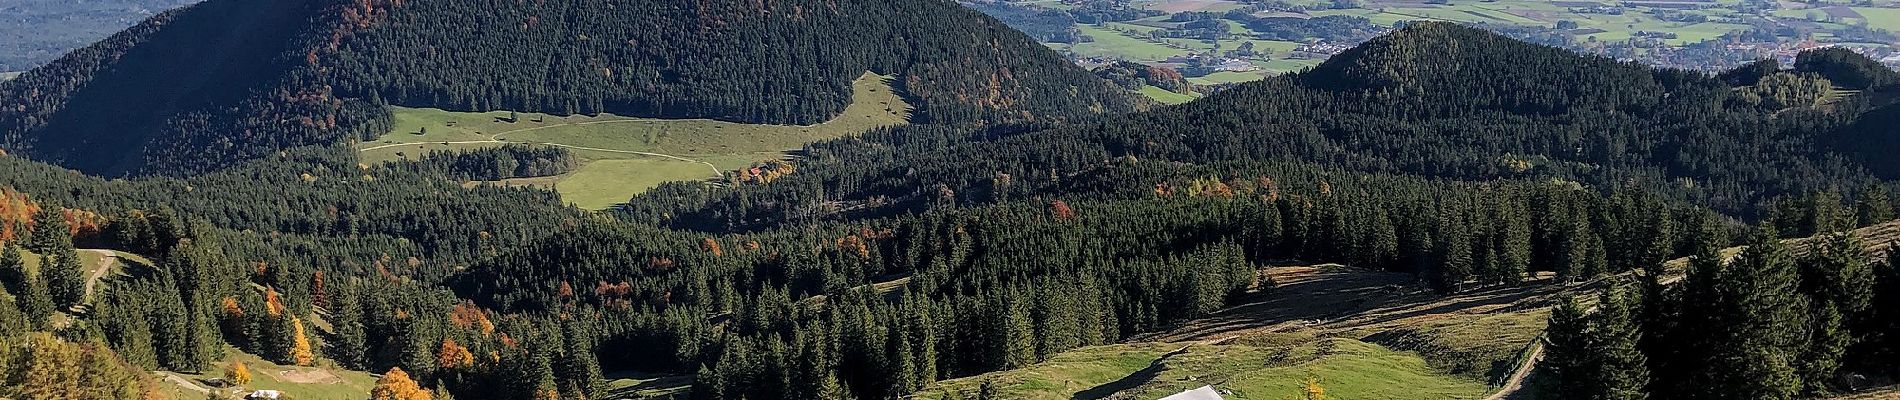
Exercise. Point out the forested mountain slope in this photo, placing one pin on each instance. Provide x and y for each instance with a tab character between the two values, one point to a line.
985	249
1432	99
222	81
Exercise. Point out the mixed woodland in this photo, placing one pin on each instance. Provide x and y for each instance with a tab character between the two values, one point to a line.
1015	226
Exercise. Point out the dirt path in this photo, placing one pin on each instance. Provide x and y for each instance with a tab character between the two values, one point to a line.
92	281
186	383
1516	383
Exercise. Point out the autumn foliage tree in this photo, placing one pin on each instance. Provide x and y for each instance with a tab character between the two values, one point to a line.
237	373
300	352
396	385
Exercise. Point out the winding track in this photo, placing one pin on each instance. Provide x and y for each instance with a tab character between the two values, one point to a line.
1516	383
100	272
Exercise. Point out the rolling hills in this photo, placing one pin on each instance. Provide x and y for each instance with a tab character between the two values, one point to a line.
219	82
1466	179
1433	99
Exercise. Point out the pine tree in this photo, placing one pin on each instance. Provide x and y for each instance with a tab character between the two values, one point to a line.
1880	351
1568	361
1762	317
1621	369
63	278
1512	244
1873	206
34	301
50	231
1453	254
12	321
1839	282
347	345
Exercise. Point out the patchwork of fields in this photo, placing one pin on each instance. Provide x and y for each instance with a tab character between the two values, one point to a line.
1624	29
625	156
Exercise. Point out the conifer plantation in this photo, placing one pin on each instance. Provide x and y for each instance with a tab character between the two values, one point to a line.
1036	212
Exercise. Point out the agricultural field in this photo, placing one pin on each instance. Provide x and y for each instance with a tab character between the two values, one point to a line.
1166	97
8	75
1633	30
624	156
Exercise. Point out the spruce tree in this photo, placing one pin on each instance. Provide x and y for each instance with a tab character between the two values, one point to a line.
38	300
1621	370
1454	259
1873	206
64	278
12	321
1568	360
347	344
1839	282
1762	321
50	231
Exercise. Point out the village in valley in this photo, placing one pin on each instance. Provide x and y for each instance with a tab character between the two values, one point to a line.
1211	43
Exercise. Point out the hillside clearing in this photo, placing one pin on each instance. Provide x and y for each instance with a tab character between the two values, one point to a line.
302	383
1365	335
644	151
1347	368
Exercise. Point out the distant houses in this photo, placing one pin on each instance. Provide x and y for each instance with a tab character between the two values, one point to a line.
1203	65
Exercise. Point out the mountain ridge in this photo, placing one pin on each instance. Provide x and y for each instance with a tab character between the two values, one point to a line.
292	74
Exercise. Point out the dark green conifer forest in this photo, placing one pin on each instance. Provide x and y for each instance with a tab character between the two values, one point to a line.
1034	215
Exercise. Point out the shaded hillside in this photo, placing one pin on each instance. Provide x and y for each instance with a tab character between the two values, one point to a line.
202	87
1432	99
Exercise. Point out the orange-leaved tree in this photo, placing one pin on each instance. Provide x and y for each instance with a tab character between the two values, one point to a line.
396	385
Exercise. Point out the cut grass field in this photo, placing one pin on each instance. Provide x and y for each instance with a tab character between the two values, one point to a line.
301	383
645	386
1348	369
643	151
1364	335
1888	18
1166	97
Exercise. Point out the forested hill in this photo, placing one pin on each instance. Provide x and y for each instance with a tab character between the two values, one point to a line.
1437	100
227	80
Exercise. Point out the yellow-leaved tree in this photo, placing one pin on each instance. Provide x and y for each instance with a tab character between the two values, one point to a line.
300	344
237	373
396	385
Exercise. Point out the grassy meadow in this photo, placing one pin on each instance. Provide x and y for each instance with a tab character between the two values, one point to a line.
1348	369
624	156
300	383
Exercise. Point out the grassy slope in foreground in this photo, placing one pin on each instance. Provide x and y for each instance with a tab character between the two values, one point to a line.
611	174
1348	369
1386	343
301	383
